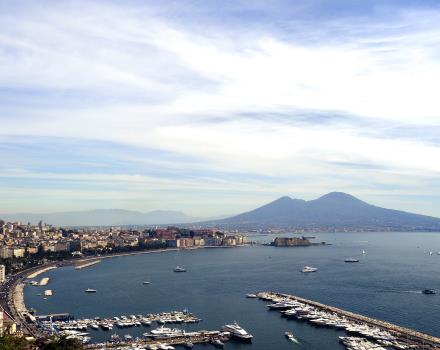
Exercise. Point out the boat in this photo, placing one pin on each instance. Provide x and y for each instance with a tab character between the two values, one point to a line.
291	337
307	269
163	332
351	260
128	337
115	338
179	269
363	252
251	295
237	332
428	291
89	290
217	343
188	345
283	305
146	282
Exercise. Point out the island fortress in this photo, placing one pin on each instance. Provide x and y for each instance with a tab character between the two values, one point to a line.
291	242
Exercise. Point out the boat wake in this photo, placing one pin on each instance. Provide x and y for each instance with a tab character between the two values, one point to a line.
400	291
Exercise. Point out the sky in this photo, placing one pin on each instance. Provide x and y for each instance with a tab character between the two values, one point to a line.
217	107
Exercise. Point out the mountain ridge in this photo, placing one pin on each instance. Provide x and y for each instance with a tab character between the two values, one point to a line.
104	217
334	209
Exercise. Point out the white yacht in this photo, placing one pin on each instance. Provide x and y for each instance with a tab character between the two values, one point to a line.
179	269
250	295
237	331
309	269
163	332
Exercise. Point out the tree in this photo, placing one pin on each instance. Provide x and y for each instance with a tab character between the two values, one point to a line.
62	344
9	342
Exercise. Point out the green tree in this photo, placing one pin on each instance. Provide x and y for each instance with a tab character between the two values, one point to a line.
9	342
62	344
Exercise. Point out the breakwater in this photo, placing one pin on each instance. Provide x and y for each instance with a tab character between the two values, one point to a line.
404	336
87	264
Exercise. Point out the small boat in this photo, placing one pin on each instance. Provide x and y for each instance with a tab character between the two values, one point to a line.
250	295
179	269
351	260
146	282
363	252
217	343
128	337
291	337
307	269
89	290
428	291
188	345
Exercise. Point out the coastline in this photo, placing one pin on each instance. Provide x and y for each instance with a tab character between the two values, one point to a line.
16	293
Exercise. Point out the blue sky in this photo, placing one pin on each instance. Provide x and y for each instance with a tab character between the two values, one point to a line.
215	107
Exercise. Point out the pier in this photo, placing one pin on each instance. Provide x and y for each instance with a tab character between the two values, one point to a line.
404	337
197	338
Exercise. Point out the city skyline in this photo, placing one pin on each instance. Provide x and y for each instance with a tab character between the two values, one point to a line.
217	109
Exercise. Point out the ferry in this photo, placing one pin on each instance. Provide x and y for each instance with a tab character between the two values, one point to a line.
89	290
307	269
237	331
179	269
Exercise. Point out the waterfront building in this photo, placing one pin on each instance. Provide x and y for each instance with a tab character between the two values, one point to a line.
2	273
6	252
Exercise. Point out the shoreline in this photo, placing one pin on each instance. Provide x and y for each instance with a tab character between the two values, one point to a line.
18	304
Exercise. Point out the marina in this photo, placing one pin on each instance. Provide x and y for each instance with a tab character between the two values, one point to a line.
370	333
159	338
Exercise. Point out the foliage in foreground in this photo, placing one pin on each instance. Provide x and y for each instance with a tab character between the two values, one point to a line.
62	344
9	342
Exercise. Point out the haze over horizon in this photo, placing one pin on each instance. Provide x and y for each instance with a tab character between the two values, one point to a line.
218	108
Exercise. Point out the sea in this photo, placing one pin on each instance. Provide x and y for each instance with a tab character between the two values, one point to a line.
386	283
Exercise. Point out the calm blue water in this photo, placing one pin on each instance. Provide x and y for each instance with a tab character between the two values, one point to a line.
385	284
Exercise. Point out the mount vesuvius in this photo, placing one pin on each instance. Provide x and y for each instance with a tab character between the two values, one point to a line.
334	210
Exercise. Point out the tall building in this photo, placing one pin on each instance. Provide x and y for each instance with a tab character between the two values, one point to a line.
2	273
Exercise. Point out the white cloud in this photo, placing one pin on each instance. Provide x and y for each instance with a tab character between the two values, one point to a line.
161	85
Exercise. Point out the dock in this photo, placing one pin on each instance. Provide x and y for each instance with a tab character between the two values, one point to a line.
87	264
44	281
198	338
405	338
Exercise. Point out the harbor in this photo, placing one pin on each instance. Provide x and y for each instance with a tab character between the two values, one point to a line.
365	332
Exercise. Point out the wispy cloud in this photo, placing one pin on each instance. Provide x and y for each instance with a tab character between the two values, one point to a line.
268	99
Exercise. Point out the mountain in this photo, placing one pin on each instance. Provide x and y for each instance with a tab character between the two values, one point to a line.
103	217
333	210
